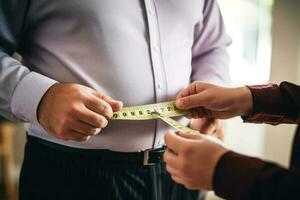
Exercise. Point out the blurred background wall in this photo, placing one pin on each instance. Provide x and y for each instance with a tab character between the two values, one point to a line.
266	48
270	31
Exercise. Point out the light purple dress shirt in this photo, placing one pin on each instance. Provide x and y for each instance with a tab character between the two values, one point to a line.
136	51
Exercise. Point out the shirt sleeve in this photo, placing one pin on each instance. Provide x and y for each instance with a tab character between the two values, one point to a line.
210	58
275	104
20	88
241	177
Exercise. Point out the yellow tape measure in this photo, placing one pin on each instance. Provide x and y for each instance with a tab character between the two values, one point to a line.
163	111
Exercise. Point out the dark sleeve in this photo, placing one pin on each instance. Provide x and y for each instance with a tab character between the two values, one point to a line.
239	177
275	104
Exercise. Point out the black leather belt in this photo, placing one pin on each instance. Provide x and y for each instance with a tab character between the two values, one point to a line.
146	157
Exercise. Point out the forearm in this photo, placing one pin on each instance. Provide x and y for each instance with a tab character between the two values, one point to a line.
275	104
241	177
20	89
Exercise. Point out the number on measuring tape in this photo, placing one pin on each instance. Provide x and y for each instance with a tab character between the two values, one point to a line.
163	111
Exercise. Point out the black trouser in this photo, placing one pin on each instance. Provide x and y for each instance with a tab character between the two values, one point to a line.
51	174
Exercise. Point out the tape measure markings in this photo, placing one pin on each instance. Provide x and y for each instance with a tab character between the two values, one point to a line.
163	111
177	125
143	112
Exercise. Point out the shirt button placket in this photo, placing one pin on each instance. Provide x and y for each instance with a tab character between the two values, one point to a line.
156	55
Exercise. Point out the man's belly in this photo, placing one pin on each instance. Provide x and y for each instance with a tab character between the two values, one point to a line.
124	136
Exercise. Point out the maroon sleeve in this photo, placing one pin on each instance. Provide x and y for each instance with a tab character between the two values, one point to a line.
275	104
239	177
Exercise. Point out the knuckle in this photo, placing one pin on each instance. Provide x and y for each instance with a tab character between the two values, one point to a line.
74	110
79	92
103	123
105	108
100	122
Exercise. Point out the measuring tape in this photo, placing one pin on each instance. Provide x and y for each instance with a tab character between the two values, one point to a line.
163	111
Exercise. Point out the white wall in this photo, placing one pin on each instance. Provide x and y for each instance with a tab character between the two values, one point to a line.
285	66
269	142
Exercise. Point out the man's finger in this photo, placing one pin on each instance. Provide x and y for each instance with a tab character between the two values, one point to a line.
192	101
92	118
172	171
99	106
76	136
209	126
170	158
172	141
177	180
194	88
189	136
116	105
213	139
85	128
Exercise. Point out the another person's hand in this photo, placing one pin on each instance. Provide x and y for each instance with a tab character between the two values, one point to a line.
208	126
211	101
75	112
191	159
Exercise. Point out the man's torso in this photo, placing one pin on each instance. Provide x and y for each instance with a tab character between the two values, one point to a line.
136	51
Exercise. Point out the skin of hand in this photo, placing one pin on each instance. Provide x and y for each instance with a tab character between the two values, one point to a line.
191	159
208	126
75	112
211	101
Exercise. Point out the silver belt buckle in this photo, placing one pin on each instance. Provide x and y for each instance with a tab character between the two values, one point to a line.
146	158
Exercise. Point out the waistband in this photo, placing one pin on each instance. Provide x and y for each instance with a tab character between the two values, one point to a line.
146	157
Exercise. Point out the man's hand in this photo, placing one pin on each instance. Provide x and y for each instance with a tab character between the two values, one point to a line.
191	159
75	112
211	101
208	126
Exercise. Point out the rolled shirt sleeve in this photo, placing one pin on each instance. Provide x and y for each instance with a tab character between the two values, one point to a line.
210	58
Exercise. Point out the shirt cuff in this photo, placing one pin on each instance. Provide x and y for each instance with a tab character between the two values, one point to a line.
235	175
27	96
267	104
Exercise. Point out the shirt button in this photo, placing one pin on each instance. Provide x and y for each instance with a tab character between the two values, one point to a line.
151	12
159	86
155	49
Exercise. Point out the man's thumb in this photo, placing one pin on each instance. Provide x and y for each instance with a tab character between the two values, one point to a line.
189	135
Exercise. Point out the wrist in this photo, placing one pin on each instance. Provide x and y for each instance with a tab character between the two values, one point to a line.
43	102
244	102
